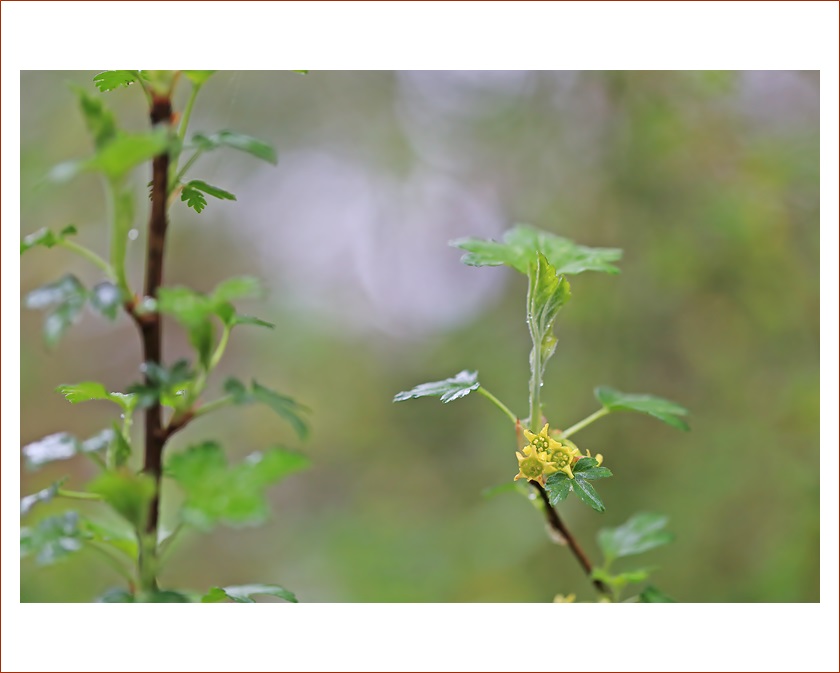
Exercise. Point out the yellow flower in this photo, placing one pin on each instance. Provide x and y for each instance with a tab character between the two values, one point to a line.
542	441
560	598
534	465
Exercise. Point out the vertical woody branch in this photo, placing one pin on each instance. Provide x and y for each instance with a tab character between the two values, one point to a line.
150	326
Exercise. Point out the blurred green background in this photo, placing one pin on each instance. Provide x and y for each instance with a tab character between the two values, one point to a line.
708	181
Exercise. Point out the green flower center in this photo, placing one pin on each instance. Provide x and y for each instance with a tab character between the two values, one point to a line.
562	457
540	443
531	468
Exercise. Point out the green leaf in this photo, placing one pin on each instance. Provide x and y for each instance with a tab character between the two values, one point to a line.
641	533
99	120
653	595
520	245
658	407
93	390
558	486
237	287
163	597
113	79
123	540
106	298
45	238
63	445
44	495
120	449
209	189
237	141
126	151
621	580
284	406
586	492
584	463
216	492
164	384
194	198
243	593
198	77
453	388
547	293
68	296
52	539
129	494
594	473
116	596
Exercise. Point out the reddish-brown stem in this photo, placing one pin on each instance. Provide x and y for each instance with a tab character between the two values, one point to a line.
150	325
557	525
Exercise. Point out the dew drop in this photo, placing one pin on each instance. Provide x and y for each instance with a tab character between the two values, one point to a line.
133	234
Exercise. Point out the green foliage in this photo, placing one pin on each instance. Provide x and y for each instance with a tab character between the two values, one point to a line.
52	539
453	388
46	238
193	193
520	245
547	293
129	494
44	495
237	141
653	595
282	405
114	79
93	390
214	491
243	593
67	297
641	533
218	493
63	445
665	410
558	485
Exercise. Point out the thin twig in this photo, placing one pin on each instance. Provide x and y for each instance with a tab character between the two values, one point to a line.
558	526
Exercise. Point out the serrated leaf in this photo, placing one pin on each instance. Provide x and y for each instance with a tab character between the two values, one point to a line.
93	390
642	532
45	238
194	198
128	493
113	79
237	141
44	495
520	245
68	296
99	120
123	541
52	539
105	297
128	150
653	595
284	406
658	407
453	388
244	592
218	192
558	486
218	493
594	473
198	77
587	493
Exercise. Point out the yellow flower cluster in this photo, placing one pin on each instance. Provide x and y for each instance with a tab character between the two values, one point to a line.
544	455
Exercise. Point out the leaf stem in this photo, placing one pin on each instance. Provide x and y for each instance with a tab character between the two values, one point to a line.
78	495
535	417
495	400
89	255
210	407
220	349
580	425
556	523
